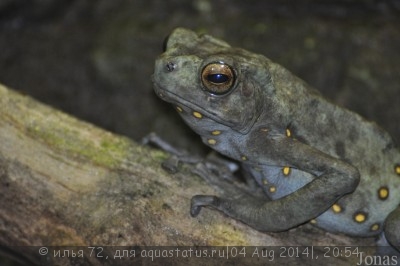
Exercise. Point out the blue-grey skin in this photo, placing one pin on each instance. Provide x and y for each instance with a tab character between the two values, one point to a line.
317	162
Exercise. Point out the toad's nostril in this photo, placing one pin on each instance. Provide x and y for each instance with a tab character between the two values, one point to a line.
170	66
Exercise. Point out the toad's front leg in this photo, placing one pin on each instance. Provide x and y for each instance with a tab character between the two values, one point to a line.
335	178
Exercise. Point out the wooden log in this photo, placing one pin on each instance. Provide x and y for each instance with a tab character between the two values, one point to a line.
65	182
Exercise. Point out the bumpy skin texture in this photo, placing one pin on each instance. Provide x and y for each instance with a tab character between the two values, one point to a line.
317	162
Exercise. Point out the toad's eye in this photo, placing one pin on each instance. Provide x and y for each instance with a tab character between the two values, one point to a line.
217	78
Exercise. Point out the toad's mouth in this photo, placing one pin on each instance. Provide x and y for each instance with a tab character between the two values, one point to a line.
240	125
173	98
176	99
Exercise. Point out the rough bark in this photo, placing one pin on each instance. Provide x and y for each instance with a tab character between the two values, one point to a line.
64	182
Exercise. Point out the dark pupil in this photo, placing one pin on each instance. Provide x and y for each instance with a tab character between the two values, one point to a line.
217	78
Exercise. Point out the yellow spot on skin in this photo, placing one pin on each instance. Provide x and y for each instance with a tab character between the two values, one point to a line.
397	169
383	193
360	217
244	158
313	221
288	133
178	109
286	170
216	132
197	115
264	130
375	227
272	189
265	182
211	141
336	208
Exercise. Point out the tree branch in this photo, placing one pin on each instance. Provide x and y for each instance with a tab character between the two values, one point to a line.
64	182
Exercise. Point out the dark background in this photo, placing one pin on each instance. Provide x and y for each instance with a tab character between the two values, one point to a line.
94	59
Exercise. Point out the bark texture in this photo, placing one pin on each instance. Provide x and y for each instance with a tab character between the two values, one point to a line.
64	182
